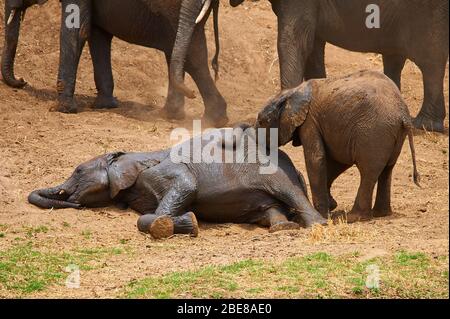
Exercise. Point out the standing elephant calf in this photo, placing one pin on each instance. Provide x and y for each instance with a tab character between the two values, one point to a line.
357	119
165	192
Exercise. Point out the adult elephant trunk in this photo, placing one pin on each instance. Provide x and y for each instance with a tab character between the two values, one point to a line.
13	18
54	197
191	13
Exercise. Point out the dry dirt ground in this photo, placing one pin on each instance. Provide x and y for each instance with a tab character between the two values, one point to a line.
39	148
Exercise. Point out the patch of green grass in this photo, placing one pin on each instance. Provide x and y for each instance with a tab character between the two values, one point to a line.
2	235
66	224
87	234
25	269
318	275
33	231
409	259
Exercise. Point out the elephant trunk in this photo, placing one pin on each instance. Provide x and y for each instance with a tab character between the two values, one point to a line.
54	197
12	29
189	12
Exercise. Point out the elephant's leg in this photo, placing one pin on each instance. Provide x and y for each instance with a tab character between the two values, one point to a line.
174	107
184	224
316	165
291	193
197	67
174	204
275	218
100	49
296	34
382	205
362	208
315	65
334	170
393	66
72	41
432	114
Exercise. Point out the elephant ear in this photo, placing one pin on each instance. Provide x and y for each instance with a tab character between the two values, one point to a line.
294	112
123	171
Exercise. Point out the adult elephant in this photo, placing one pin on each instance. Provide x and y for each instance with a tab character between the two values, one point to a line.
150	23
409	29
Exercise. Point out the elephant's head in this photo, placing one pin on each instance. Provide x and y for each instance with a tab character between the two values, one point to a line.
287	112
14	13
95	183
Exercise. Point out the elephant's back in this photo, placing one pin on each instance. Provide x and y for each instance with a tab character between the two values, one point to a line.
137	21
365	96
363	111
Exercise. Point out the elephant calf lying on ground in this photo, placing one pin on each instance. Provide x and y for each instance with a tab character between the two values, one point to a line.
165	192
357	119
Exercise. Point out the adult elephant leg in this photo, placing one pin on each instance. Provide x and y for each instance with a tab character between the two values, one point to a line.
315	65
334	170
296	33
100	49
432	114
174	107
393	66
72	40
382	205
197	67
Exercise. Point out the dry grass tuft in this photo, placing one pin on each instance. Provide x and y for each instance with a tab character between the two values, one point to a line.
339	230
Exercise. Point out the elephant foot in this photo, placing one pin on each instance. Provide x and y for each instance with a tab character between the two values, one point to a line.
422	122
283	226
106	102
171	114
381	212
332	203
186	224
162	227
319	220
215	121
353	217
66	105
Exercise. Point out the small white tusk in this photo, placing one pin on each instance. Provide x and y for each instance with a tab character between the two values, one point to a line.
11	16
62	192
206	5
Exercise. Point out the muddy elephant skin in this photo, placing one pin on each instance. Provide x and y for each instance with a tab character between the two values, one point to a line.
167	192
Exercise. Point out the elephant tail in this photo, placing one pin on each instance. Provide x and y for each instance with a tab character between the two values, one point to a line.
409	131
215	60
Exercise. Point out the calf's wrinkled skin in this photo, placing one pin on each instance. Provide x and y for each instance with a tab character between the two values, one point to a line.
166	193
358	119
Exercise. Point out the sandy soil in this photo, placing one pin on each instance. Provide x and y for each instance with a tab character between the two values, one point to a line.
39	148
